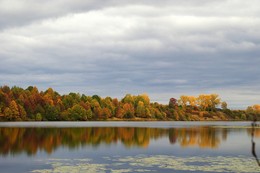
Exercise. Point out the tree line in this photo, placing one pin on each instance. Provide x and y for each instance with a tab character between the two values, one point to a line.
18	104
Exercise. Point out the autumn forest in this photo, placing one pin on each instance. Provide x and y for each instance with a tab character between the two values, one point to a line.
30	104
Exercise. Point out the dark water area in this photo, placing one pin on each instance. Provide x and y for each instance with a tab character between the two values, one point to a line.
128	147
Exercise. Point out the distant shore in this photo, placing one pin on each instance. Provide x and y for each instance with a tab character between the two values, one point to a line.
30	104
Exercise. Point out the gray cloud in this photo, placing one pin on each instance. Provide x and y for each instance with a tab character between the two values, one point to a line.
164	48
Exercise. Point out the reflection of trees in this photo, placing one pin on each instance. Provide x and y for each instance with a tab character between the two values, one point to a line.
204	137
201	136
30	140
254	132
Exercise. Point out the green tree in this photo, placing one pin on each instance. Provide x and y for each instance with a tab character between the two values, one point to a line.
16	91
38	117
22	112
68	101
89	114
8	114
77	113
147	113
51	113
97	98
143	98
128	99
76	97
224	105
107	103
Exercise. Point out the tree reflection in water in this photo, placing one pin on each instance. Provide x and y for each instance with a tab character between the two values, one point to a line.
31	140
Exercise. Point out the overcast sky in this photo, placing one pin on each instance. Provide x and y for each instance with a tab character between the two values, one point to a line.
165	48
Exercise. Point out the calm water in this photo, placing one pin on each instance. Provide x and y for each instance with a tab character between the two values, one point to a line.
128	147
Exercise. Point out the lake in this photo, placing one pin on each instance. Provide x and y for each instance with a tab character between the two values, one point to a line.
128	147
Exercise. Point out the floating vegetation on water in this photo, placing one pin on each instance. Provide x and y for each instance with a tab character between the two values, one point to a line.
72	166
157	163
197	163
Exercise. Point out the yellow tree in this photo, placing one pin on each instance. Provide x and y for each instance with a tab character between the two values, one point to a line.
256	108
208	101
145	99
183	101
14	108
129	110
140	109
48	96
142	97
204	101
8	113
192	101
215	101
12	112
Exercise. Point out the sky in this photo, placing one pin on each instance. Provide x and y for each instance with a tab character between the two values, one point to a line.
164	48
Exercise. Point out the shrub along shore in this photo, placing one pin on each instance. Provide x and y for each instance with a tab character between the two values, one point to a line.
30	104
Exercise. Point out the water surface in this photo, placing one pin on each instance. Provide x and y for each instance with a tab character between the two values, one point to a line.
128	147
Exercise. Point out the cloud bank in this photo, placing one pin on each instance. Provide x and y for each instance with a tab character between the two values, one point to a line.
164	48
